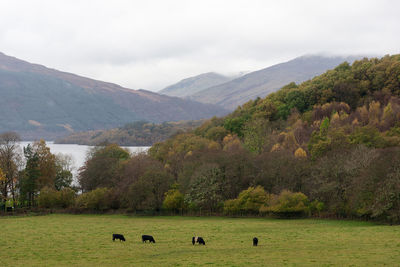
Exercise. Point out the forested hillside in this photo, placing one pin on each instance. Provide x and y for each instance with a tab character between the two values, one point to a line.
328	147
335	138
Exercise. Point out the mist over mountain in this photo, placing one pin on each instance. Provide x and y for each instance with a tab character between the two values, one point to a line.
192	85
260	83
40	102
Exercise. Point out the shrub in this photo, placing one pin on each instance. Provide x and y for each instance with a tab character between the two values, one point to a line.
174	200
48	198
248	201
95	200
231	206
316	207
287	204
51	198
67	197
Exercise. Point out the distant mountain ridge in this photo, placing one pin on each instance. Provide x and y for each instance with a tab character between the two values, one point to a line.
39	102
260	83
192	85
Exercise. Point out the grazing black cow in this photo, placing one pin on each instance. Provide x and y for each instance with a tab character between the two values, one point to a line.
118	236
255	241
198	239
148	238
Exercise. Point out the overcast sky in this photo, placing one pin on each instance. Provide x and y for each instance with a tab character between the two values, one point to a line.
151	44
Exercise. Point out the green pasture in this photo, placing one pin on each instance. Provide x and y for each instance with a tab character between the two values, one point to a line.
85	240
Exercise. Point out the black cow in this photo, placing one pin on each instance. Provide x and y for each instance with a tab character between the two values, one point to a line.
255	241
118	236
148	238
198	239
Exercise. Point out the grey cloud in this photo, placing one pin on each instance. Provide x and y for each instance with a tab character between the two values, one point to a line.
150	44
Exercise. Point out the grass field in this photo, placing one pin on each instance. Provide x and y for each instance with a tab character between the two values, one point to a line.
85	240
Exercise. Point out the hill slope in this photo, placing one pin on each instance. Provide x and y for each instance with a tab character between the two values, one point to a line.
39	102
260	83
335	138
192	85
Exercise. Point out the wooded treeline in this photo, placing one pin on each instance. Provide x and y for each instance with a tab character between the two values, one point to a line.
327	147
26	172
139	133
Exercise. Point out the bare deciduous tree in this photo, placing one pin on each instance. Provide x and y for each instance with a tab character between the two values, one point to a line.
10	156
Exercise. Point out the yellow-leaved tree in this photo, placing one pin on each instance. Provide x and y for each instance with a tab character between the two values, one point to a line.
2	176
300	153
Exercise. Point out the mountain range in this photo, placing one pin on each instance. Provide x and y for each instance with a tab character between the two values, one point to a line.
39	102
192	85
235	92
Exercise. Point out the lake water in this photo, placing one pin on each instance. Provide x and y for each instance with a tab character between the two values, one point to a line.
78	152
